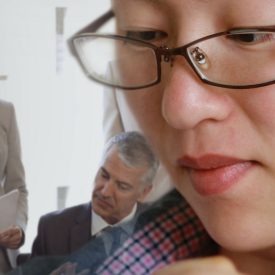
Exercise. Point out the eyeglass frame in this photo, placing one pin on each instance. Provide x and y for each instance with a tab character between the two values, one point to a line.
167	53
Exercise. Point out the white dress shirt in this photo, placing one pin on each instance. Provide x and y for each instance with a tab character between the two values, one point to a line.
98	224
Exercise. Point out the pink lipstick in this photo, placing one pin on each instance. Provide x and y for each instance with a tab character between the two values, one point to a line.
214	174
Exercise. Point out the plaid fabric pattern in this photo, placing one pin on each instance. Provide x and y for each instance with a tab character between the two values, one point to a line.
174	235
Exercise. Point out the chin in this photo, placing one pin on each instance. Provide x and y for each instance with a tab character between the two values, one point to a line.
240	235
98	210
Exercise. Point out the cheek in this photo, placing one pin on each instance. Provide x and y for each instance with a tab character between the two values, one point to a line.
98	184
124	201
145	103
260	108
264	111
146	107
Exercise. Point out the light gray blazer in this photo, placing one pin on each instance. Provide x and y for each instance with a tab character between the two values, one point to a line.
12	175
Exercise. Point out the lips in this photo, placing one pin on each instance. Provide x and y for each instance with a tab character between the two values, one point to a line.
214	174
102	202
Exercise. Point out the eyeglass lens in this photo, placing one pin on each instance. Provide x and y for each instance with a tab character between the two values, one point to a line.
246	58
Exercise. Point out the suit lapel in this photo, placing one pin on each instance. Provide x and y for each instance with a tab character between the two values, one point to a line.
80	232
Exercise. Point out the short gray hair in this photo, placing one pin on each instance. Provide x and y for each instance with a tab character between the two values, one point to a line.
135	151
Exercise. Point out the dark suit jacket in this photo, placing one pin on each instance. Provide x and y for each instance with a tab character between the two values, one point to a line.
63	232
93	254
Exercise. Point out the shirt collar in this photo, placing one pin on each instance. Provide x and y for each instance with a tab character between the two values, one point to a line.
98	223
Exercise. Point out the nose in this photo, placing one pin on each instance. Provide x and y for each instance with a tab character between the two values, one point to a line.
187	101
107	189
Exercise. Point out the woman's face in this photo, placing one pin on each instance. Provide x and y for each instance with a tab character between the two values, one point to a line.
218	144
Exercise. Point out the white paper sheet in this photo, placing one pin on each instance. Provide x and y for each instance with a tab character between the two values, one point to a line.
8	207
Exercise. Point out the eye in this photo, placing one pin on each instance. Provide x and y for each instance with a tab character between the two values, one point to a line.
104	175
252	38
123	187
148	36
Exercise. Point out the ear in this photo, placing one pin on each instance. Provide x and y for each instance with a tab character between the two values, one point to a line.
144	193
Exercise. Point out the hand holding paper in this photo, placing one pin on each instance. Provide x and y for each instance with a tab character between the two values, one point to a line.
8	208
10	234
11	238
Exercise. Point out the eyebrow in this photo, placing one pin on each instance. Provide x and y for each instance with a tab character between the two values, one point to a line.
157	2
105	171
160	1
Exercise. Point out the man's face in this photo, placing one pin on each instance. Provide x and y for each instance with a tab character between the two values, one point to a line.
117	188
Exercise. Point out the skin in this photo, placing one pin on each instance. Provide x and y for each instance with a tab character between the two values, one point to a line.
11	237
205	266
196	119
118	188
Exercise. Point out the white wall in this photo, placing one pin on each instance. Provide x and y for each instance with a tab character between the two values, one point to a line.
59	115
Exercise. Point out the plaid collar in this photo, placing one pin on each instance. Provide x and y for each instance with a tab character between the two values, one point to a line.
175	234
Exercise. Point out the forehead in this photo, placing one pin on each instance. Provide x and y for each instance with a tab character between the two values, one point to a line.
112	156
119	169
193	18
186	2
251	6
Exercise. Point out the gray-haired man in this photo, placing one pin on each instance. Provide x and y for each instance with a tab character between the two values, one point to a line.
123	180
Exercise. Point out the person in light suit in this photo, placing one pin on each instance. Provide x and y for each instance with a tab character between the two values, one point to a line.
122	182
12	176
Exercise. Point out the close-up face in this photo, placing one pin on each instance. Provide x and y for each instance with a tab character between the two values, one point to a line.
217	143
118	188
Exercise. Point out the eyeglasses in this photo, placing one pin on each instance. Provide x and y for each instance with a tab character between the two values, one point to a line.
239	58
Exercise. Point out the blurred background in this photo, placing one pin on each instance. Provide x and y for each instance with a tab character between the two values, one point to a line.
59	110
